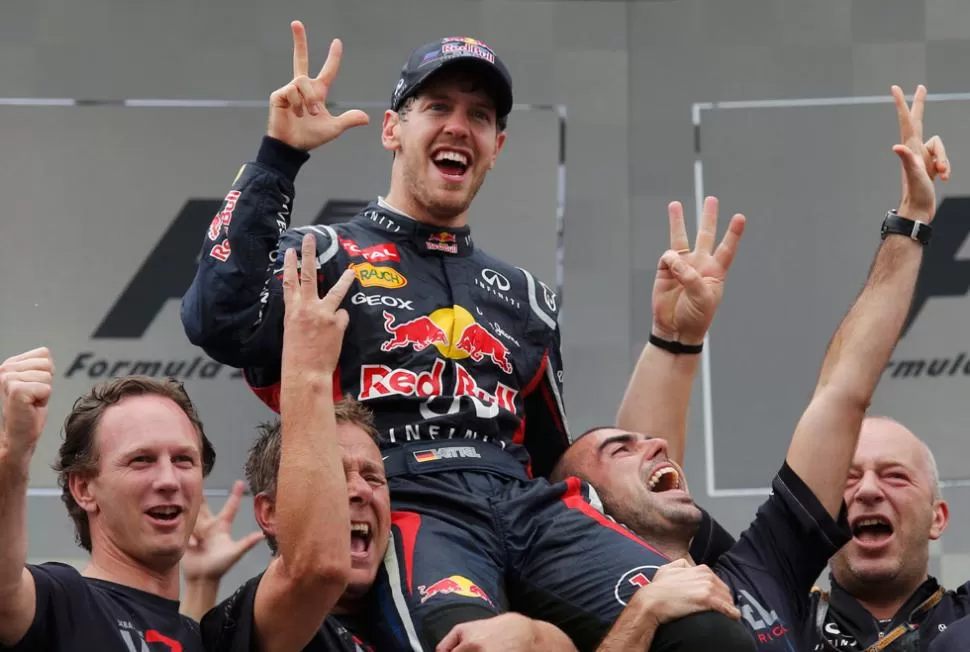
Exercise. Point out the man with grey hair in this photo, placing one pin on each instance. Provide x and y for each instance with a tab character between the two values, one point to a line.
882	591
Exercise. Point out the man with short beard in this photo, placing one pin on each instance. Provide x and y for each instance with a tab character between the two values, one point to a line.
803	523
456	353
881	588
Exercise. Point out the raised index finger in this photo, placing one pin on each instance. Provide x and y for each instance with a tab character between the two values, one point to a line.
332	65
903	114
301	59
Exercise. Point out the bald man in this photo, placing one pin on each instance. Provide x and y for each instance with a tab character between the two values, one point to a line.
881	586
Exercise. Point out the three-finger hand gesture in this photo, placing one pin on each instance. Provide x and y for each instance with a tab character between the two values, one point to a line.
313	326
298	114
212	551
690	284
921	161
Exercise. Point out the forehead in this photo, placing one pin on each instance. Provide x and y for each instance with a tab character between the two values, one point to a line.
458	81
355	444
144	421
882	441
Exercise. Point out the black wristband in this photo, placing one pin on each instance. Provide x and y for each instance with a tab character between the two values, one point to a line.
675	347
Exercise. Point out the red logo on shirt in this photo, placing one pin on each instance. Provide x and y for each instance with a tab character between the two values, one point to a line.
379	253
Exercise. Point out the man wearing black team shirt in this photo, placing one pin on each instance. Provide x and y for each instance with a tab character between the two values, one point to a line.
774	564
328	536
881	589
131	471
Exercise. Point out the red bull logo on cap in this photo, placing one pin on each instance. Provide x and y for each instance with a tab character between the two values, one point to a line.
454	585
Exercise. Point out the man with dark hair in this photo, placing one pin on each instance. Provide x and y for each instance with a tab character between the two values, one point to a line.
456	352
131	467
803	523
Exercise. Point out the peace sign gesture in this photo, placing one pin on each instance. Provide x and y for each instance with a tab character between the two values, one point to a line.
298	114
690	284
921	162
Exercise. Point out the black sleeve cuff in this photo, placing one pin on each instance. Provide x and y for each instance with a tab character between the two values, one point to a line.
283	158
809	511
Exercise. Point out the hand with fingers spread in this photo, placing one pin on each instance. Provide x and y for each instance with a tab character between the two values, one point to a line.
212	551
26	383
921	161
690	284
298	114
313	327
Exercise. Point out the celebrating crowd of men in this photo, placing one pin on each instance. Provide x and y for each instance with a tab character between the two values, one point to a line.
421	490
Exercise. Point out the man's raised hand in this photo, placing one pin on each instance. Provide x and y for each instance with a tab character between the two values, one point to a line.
690	284
298	114
921	161
313	327
26	382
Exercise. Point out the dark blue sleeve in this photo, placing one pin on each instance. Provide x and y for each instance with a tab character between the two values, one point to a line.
711	541
225	310
61	598
546	432
792	536
229	626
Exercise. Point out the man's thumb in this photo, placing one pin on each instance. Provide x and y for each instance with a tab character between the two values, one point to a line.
910	160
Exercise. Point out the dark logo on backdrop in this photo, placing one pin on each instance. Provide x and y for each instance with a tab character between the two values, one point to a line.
942	275
165	275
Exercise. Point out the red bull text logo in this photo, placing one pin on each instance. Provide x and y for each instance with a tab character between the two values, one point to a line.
444	241
379	381
384	277
454	585
473	341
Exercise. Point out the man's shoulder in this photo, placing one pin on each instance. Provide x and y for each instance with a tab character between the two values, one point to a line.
499	277
222	623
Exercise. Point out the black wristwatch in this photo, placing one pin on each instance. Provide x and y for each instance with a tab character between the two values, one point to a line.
895	223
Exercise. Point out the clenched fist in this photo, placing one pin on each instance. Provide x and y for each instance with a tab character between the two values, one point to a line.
26	382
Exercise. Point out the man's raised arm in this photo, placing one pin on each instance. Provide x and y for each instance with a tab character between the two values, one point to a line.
825	439
686	294
312	514
25	388
228	310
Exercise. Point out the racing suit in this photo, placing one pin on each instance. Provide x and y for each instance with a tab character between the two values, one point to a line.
458	356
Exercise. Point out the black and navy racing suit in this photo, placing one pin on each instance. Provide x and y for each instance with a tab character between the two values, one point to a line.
458	356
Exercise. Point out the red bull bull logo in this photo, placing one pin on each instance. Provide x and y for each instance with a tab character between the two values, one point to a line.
444	241
454	332
418	333
479	344
454	585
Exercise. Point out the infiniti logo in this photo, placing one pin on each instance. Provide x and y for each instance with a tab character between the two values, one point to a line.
496	280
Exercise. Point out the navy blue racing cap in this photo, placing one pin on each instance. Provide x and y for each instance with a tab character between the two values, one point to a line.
452	51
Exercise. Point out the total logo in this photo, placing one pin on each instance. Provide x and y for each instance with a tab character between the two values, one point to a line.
454	585
379	253
439	329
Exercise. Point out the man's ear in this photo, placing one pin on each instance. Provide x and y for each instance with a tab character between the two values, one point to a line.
264	509
390	131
